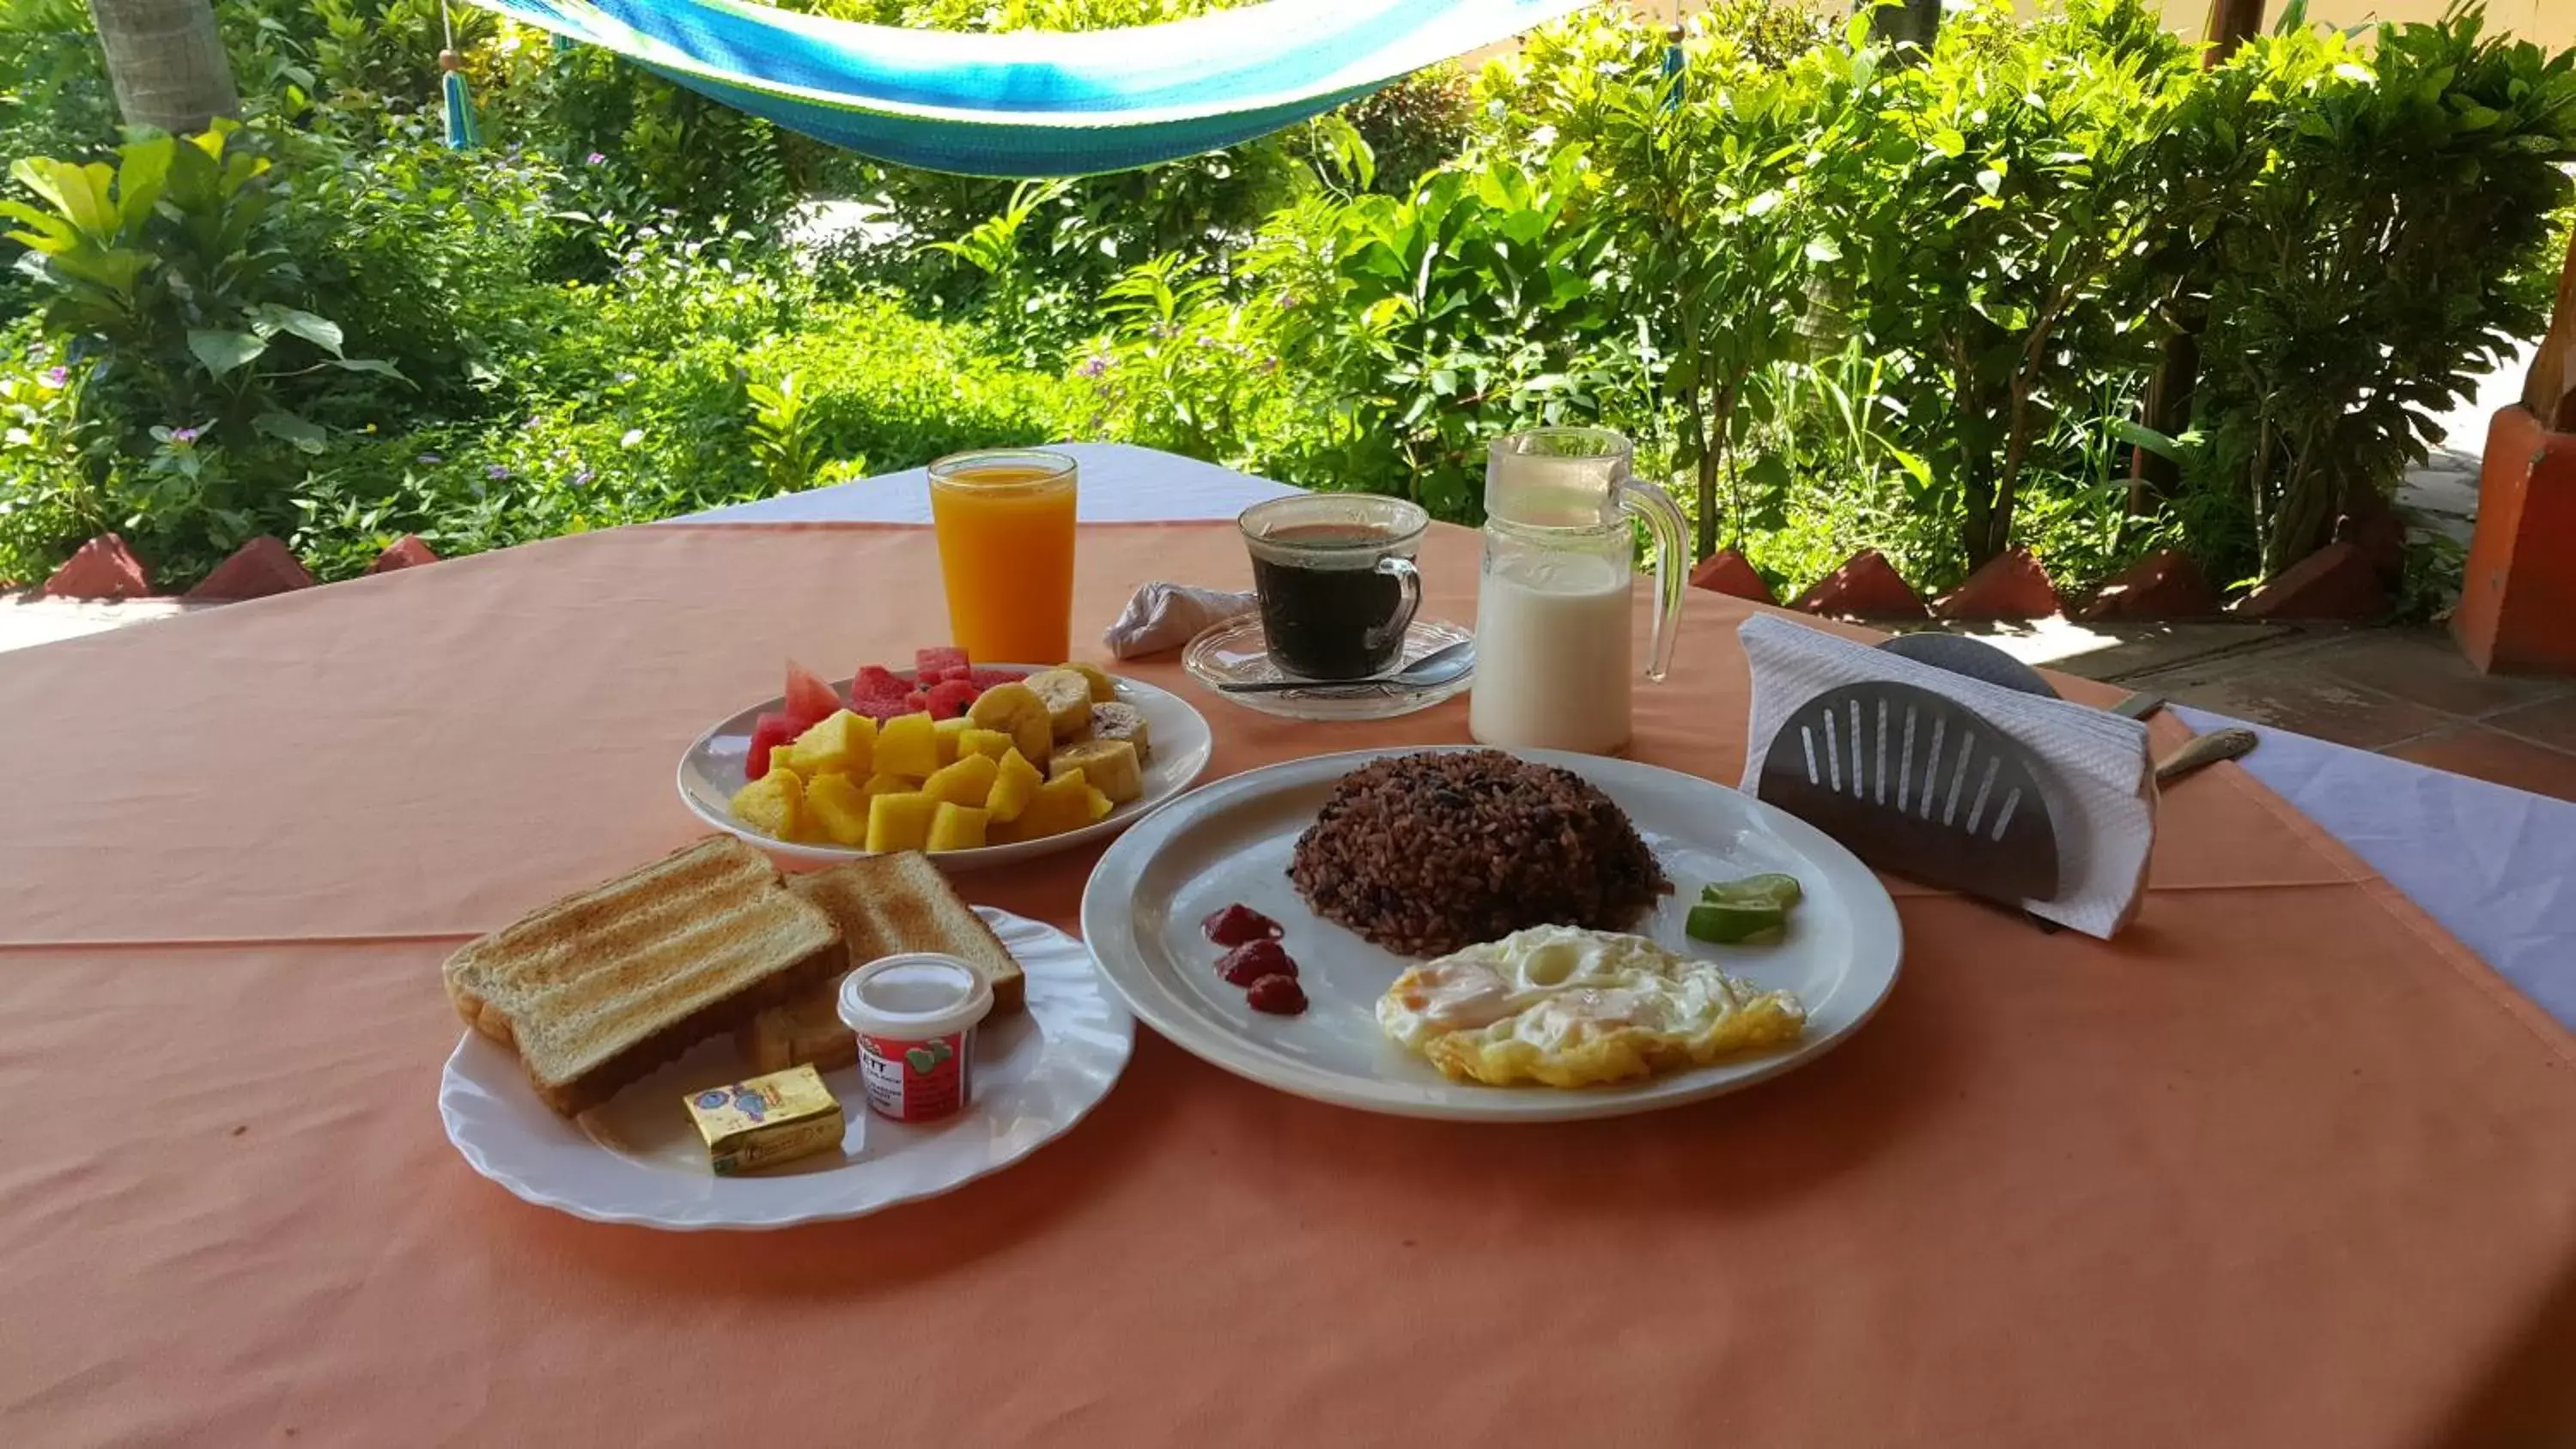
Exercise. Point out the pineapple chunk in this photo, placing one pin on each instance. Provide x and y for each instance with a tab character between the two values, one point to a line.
1110	766
839	809
908	744
1122	722
948	736
1103	689
1015	783
1067	697
841	744
956	827
774	804
782	757
980	741
967	782
900	822
1067	802
1014	710
882	783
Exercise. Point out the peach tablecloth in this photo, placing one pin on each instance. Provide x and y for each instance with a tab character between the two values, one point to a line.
2281	1165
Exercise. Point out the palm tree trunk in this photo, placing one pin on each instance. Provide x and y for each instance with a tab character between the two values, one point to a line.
166	59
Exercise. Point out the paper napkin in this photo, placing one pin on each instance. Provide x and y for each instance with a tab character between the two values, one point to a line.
2094	766
1164	616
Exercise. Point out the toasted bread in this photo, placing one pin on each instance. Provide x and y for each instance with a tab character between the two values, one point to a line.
885	904
601	987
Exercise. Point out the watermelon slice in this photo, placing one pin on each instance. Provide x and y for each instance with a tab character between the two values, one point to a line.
809	700
929	666
916	702
984	679
879	693
767	732
957	673
948	698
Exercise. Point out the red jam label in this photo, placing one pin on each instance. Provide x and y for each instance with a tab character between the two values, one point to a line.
918	1081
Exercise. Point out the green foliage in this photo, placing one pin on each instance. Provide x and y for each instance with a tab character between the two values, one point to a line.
1840	297
2379	213
168	278
2005	217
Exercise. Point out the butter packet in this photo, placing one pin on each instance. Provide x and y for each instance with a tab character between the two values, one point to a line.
766	1120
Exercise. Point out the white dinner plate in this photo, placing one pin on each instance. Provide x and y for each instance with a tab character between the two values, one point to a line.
638	1159
1177	737
1231	841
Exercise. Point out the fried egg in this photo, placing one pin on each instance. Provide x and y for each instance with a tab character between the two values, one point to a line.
1568	1007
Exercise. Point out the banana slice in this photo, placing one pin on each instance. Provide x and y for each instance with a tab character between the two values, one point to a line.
1015	710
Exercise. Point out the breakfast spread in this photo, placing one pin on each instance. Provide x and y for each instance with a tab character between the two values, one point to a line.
914	1017
1570	1007
1427	853
767	1120
955	758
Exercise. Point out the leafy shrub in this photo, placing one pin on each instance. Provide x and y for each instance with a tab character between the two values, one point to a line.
2379	238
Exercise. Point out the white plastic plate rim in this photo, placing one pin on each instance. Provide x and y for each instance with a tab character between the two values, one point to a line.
1079	1038
711	770
1128	921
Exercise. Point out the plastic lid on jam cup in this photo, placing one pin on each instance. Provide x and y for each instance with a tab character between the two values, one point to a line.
914	997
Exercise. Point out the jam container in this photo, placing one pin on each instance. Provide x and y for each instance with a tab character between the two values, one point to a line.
915	1017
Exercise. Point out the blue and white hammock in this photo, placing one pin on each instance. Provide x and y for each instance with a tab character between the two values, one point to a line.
1031	102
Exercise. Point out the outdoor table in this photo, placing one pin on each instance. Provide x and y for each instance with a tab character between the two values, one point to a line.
2284	1163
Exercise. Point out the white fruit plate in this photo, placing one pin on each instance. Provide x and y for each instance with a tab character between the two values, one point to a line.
1177	736
638	1159
1231	843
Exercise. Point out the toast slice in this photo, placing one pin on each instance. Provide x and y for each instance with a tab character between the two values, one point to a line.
885	904
601	987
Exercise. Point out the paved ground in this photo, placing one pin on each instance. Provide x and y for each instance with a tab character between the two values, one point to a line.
2398	691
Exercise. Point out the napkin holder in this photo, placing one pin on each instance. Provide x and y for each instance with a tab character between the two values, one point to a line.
1918	784
1951	779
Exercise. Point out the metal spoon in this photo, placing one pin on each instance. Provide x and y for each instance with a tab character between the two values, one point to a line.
1440	666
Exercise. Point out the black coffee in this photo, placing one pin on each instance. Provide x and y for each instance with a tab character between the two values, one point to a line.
1324	622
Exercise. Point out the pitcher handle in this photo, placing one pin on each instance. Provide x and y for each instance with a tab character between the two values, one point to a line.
1672	573
1408	581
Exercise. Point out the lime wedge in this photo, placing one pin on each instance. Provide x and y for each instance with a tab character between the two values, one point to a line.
1771	888
1750	923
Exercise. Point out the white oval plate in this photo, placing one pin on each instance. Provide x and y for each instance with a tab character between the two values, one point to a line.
639	1160
1178	735
1231	841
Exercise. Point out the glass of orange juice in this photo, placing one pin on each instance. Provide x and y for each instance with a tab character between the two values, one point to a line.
1004	517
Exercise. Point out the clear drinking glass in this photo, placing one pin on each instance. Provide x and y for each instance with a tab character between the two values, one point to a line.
1555	663
1004	517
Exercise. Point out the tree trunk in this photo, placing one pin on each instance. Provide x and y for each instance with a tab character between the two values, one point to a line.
1905	22
166	59
2231	23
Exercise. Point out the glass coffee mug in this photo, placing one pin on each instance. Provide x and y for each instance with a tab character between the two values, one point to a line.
1334	573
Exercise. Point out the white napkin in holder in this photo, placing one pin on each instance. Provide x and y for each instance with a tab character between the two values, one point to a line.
1855	756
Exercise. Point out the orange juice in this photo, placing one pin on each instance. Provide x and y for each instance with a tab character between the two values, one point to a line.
1005	525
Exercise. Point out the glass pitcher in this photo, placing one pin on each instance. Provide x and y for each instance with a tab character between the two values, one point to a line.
1554	663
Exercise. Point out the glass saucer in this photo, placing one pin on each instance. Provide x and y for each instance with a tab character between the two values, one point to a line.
1234	652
